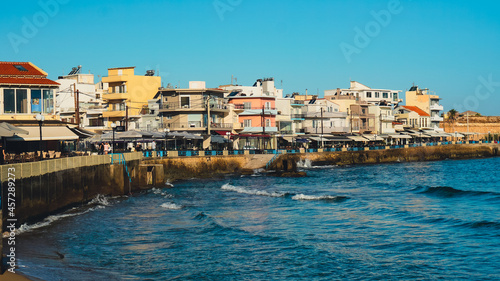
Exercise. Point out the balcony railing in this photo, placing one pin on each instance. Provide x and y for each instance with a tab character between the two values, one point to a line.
436	107
297	116
436	119
178	106
387	118
196	125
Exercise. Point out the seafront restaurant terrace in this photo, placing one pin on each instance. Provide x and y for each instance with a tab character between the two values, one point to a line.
184	144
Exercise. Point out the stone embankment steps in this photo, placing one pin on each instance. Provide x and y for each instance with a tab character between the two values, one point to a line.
258	161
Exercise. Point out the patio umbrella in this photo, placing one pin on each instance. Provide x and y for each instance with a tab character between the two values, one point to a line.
133	135
190	136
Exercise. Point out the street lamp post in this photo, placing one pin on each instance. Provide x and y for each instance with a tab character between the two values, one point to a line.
228	134
40	118
113	126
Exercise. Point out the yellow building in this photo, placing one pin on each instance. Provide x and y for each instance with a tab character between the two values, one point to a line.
428	102
128	94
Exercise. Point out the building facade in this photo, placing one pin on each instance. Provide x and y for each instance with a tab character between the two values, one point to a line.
127	95
25	91
428	102
196	109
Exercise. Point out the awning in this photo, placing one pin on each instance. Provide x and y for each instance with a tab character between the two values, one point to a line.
218	139
339	139
457	135
48	133
373	137
287	138
224	133
82	133
318	139
357	138
253	136
397	136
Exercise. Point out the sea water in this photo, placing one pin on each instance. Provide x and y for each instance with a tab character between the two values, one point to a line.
410	221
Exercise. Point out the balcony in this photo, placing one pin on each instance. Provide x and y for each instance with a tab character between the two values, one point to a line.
175	106
436	119
196	126
296	117
388	118
297	103
115	96
326	130
436	107
113	113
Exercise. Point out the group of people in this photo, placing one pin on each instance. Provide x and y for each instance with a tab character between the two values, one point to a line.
103	148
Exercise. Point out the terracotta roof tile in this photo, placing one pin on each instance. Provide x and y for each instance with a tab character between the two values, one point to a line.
417	110
9	69
26	81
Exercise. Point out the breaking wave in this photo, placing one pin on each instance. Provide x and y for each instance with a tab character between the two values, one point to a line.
171	206
320	197
243	190
99	202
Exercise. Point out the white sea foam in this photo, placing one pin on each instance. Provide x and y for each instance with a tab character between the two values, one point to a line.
171	206
156	190
314	197
169	184
306	163
251	191
100	200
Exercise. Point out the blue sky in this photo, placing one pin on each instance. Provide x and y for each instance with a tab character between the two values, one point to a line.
450	47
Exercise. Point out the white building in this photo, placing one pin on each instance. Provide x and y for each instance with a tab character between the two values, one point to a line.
81	86
363	92
322	116
262	87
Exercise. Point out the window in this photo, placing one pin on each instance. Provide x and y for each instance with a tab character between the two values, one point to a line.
247	105
247	123
36	101
385	95
363	111
394	96
368	94
20	67
268	105
21	101
268	122
377	95
185	102
9	101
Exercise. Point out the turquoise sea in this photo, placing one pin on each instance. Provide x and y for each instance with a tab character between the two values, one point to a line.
401	221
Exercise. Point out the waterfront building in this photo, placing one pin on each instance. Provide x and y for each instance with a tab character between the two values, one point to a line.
26	93
284	123
384	119
257	112
365	93
197	109
150	120
127	95
77	85
428	102
360	119
322	116
412	117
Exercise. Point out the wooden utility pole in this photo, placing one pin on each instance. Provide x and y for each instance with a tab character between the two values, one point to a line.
321	127
263	121
208	115
126	116
77	104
